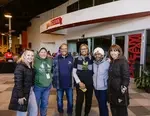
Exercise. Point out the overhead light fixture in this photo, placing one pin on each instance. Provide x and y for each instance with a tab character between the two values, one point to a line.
8	15
2	34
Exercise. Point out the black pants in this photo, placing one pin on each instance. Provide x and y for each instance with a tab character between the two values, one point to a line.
118	110
80	99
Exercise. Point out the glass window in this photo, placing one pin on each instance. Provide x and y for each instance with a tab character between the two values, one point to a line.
85	3
120	40
73	7
5	40
148	50
101	42
98	2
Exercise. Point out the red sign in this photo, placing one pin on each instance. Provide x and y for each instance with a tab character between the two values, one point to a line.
55	21
134	51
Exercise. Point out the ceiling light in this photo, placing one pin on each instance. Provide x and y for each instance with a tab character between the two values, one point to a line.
8	15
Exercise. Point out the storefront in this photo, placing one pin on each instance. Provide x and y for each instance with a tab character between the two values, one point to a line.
127	28
132	43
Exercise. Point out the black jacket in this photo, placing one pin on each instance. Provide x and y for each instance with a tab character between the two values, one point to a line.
23	80
119	75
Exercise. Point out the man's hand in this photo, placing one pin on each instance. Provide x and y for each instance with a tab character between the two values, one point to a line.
82	85
21	100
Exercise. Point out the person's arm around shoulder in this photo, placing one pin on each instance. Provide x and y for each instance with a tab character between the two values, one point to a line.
54	71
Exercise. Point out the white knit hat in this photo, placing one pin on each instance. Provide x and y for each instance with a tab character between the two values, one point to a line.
99	50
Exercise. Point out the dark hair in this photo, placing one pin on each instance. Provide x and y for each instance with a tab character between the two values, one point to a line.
116	48
43	48
8	50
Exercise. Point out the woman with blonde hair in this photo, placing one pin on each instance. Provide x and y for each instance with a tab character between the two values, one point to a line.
23	99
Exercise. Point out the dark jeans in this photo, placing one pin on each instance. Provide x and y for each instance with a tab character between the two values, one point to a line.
80	99
118	110
69	95
101	96
42	97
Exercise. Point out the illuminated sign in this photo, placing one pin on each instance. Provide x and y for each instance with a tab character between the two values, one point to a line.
53	22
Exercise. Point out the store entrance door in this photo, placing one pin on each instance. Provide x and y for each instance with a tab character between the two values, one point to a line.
122	41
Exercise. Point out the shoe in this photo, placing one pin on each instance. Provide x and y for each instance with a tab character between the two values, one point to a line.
61	114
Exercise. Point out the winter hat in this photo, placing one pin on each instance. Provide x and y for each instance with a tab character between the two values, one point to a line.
99	50
43	48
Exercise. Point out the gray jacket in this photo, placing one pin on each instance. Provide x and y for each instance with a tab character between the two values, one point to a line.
100	74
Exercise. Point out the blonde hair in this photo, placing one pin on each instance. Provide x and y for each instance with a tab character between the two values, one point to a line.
85	45
64	44
22	58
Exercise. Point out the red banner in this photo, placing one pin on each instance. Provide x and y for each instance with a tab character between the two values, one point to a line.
134	51
24	39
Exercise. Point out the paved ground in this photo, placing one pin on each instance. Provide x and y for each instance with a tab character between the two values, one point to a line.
139	103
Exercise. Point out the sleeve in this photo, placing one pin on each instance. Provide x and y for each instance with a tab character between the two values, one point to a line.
75	72
76	76
75	63
125	73
53	73
19	75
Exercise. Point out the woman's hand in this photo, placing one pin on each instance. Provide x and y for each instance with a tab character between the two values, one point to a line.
21	100
123	89
82	85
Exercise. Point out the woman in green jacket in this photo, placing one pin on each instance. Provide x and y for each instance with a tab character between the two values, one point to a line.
43	80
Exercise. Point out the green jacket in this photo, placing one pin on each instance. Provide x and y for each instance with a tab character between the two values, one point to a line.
43	75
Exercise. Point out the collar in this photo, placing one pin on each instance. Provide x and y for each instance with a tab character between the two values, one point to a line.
60	56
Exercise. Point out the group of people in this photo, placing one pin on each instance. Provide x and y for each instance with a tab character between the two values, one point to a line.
36	74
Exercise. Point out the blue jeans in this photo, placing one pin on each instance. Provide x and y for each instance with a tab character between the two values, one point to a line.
42	97
32	106
69	95
101	96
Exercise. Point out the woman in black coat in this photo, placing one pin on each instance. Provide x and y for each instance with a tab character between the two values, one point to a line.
118	82
23	98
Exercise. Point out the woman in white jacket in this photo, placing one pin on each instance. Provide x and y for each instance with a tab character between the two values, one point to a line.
100	68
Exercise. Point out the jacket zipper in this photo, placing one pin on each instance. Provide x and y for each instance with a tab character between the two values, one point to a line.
97	75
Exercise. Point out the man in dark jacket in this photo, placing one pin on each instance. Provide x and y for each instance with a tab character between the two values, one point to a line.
62	79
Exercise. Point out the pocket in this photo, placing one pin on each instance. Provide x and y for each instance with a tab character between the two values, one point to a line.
116	84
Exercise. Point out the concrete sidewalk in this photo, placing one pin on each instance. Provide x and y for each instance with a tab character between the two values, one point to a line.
139	102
